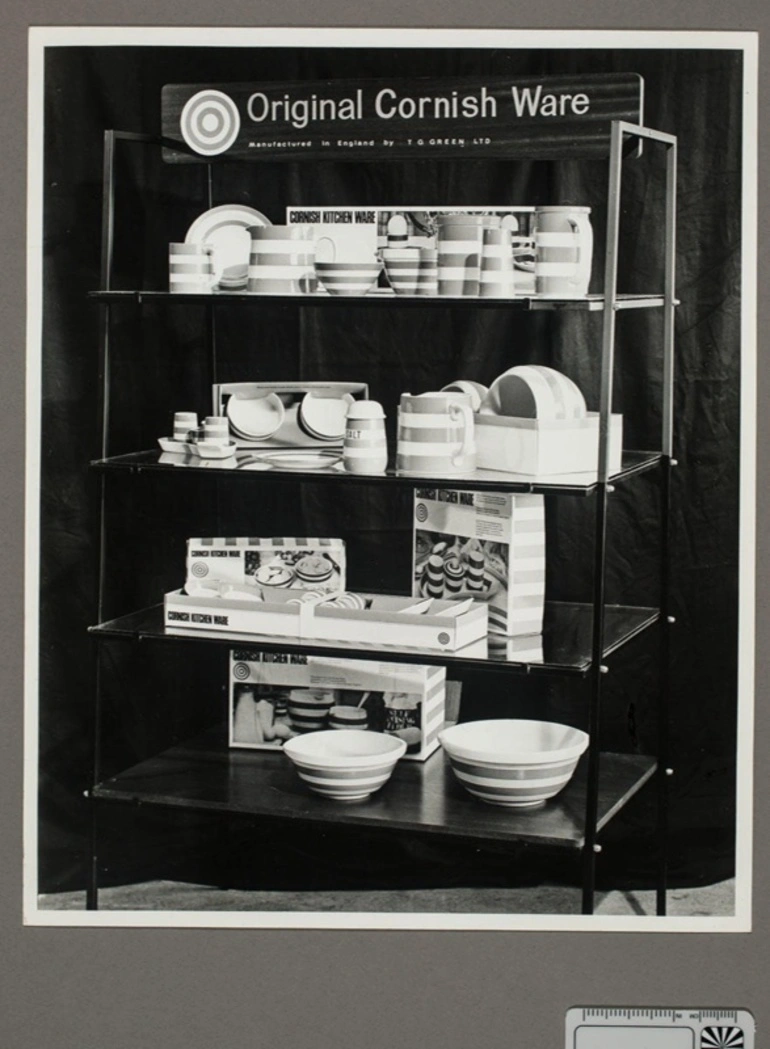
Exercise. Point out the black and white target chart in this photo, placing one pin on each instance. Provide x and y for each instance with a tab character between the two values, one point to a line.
650	1028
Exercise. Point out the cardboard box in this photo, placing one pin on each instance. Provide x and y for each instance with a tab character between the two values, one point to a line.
258	567
274	695
488	546
290	434
544	449
388	621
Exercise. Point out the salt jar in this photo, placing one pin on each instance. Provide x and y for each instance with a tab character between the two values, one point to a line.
365	449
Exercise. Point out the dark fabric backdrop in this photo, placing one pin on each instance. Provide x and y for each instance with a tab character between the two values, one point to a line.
158	692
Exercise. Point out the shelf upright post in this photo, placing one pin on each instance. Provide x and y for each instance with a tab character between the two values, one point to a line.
667	463
103	395
600	541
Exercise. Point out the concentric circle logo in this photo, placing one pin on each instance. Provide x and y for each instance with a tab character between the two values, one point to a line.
210	122
200	569
443	638
421	512
241	671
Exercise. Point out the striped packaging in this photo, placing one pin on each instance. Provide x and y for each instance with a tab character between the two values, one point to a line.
491	546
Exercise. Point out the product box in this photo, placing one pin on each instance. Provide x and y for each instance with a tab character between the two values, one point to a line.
545	448
256	568
274	696
488	546
282	414
366	620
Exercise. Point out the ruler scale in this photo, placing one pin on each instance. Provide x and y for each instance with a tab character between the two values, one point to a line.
595	1027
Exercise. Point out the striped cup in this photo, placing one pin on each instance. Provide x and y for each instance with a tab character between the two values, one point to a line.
309	709
190	269
428	282
402	269
497	278
459	253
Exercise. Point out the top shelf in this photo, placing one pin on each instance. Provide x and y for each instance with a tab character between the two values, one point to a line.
588	303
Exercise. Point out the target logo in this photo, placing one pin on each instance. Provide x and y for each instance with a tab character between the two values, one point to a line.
721	1038
421	512
210	122
199	569
241	672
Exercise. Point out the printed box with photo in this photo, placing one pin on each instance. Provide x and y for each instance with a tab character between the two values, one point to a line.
275	696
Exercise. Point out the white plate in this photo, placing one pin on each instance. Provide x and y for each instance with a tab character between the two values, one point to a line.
324	417
294	459
256	418
225	229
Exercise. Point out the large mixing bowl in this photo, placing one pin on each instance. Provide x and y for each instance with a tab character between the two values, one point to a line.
515	763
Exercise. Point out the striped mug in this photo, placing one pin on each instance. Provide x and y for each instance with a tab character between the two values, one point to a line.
435	435
191	269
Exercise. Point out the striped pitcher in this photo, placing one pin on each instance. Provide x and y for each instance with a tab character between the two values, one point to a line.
435	435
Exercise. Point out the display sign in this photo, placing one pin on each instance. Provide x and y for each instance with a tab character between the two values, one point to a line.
545	116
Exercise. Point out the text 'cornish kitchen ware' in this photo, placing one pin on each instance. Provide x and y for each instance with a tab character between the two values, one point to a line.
345	766
516	764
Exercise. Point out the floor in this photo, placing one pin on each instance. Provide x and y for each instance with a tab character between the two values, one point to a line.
706	901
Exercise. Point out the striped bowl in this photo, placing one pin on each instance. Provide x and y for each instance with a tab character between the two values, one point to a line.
344	766
348	278
514	763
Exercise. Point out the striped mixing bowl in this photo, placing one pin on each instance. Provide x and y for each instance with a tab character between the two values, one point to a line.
515	763
345	766
348	278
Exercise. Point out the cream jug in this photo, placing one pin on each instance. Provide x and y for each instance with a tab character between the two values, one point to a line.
435	435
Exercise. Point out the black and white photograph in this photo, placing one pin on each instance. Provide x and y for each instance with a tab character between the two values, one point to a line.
390	479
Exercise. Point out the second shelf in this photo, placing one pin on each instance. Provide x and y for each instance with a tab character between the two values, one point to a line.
563	648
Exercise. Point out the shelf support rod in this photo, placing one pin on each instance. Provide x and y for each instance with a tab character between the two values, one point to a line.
667	464
602	496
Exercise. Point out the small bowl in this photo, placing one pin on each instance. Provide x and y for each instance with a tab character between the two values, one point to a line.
348	278
514	763
344	766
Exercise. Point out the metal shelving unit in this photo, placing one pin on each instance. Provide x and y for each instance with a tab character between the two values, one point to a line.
204	775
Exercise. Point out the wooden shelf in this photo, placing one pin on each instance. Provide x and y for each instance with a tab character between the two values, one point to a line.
204	774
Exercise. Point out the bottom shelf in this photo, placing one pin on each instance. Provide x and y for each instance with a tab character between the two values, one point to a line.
204	774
